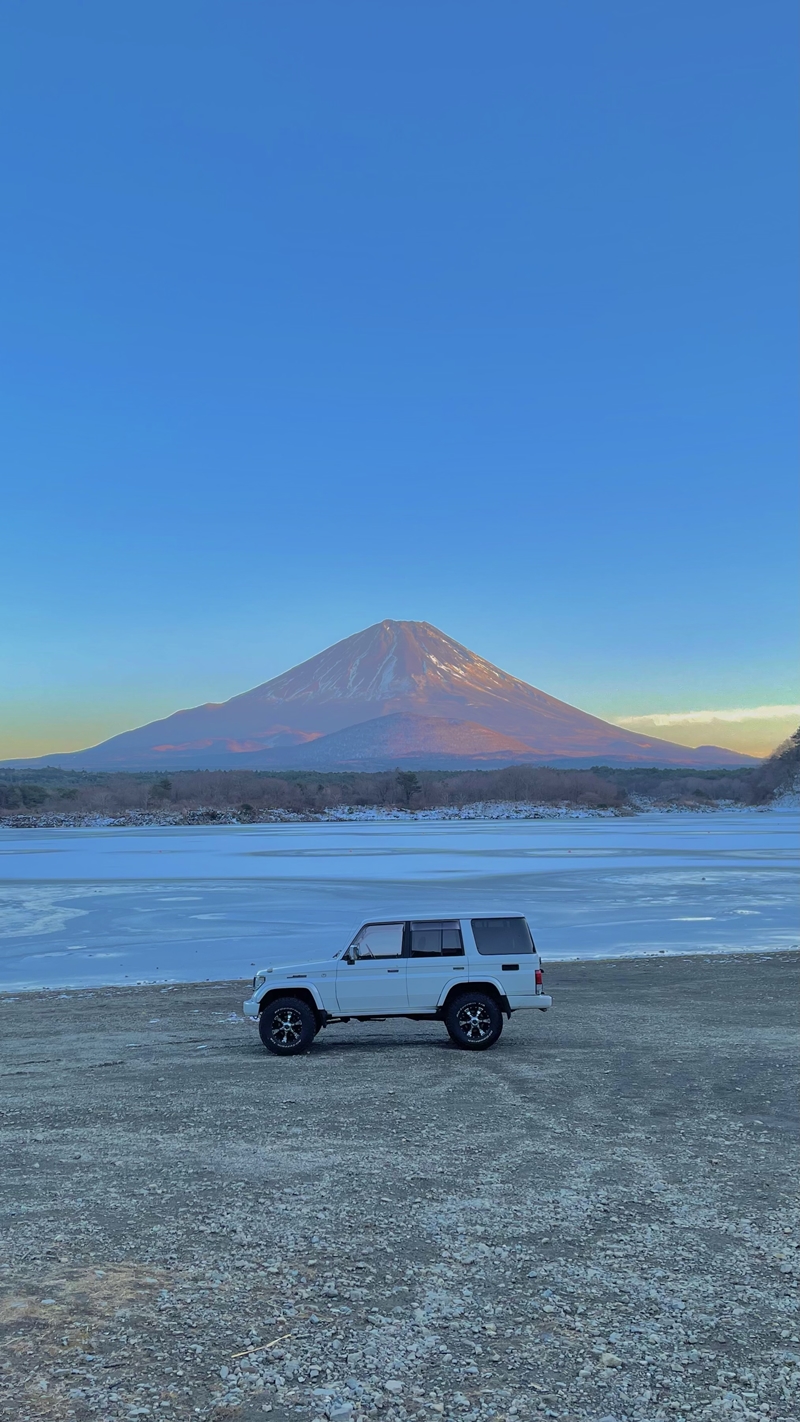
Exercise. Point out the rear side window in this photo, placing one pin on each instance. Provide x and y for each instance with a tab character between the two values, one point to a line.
498	936
436	938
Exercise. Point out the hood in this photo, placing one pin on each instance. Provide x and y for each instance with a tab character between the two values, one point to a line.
299	965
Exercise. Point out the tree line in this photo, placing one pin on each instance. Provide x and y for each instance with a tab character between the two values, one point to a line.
251	793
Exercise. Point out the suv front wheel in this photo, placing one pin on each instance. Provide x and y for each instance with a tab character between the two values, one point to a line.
287	1026
474	1020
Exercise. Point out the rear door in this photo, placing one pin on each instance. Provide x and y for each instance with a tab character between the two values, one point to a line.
435	959
376	982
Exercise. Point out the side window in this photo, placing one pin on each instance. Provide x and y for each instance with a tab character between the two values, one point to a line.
436	939
380	940
498	936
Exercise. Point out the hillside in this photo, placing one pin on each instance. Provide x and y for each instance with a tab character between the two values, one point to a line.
412	741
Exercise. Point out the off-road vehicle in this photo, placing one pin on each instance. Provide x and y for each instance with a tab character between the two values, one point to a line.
465	972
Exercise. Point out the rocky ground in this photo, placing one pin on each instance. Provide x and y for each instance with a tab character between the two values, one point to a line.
594	1220
341	814
359	814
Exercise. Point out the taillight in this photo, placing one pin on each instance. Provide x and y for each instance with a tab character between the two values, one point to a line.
538	979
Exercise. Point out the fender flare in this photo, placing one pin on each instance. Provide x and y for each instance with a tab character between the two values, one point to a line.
484	982
295	987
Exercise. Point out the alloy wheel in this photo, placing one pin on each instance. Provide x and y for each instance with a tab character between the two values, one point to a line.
287	1027
474	1021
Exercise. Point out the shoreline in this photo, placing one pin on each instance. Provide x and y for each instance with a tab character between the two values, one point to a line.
489	812
703	955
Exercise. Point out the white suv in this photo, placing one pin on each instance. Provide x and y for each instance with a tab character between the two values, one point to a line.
465	972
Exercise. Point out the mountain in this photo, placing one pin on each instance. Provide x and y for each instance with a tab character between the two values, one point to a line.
405	670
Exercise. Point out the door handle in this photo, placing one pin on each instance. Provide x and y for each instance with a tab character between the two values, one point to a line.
393	970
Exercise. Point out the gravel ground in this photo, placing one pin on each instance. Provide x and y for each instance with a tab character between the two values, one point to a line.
592	1221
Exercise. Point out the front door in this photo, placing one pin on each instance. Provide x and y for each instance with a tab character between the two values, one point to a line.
375	982
436	959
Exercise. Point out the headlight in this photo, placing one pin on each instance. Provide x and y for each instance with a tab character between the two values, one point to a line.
258	981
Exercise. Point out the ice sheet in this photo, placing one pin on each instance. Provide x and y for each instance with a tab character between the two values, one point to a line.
90	906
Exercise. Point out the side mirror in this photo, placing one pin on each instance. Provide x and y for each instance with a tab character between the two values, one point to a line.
351	954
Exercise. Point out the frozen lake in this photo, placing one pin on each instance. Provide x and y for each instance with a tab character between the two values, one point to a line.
91	906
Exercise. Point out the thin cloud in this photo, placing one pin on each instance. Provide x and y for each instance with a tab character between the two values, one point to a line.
736	714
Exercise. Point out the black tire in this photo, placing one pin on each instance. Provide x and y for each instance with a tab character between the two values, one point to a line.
287	1026
474	1020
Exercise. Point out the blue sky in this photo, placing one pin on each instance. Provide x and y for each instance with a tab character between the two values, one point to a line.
315	314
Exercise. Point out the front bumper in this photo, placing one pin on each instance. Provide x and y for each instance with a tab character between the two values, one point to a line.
252	1007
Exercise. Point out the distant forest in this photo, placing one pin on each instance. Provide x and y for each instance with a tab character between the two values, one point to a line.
251	794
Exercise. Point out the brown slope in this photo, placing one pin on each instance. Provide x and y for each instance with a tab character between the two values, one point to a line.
407	668
423	742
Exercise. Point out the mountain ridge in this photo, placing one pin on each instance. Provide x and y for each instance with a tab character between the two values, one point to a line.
393	668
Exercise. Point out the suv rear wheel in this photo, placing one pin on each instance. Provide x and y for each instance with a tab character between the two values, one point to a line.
474	1020
287	1026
